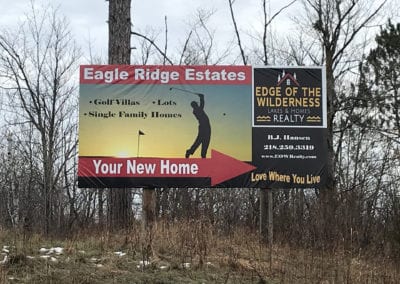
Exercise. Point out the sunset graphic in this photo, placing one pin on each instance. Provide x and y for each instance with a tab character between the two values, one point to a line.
143	120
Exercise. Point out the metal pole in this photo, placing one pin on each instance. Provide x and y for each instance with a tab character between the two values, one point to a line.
270	226
138	145
270	218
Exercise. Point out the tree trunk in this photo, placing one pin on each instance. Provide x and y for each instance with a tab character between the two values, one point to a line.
119	32
119	52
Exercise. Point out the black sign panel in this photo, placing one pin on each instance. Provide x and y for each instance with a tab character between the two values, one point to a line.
289	127
288	97
289	157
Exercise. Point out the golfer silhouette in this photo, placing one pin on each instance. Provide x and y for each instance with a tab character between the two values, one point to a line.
204	134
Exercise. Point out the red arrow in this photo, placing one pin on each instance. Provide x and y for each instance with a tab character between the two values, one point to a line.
219	167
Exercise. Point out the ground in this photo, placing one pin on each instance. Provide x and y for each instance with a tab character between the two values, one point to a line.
191	252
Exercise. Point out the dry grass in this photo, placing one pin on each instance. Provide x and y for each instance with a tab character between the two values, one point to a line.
182	252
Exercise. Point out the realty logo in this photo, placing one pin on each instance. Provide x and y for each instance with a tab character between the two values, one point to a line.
287	98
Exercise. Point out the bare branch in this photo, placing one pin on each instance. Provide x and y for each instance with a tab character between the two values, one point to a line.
357	29
237	32
166	39
185	47
153	44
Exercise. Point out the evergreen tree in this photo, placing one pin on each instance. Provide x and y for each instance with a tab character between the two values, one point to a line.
382	68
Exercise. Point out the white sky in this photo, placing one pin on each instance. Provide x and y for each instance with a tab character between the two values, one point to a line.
88	18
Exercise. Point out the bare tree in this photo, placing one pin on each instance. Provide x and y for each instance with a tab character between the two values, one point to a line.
338	26
199	46
267	20
119	52
337	23
37	64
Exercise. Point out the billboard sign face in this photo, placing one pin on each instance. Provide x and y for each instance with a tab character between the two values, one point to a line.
159	126
289	127
201	126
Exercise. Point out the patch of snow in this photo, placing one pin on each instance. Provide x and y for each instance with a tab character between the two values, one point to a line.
93	259
43	250
6	249
30	257
162	267
53	259
186	265
45	256
58	250
120	253
143	263
5	260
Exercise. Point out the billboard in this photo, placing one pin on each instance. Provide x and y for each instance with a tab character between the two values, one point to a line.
201	126
158	126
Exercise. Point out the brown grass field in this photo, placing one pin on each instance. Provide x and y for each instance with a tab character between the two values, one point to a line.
181	252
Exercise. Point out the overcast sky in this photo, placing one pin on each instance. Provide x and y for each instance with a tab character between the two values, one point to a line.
88	18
